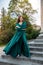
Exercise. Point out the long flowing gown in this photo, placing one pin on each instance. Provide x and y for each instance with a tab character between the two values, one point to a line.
18	43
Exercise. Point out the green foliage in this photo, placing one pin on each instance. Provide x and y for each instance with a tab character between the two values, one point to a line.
24	5
8	23
32	33
6	35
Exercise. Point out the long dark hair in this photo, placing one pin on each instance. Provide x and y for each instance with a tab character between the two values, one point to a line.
18	20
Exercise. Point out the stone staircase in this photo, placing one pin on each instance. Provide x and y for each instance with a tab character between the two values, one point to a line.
36	50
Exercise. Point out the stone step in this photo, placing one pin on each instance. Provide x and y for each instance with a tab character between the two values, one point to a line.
35	47
37	59
20	60
39	44
35	43
38	40
40	37
33	52
4	56
13	61
36	52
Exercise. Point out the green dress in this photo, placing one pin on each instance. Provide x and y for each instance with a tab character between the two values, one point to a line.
18	43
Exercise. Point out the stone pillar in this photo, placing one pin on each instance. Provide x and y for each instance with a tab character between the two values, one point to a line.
41	15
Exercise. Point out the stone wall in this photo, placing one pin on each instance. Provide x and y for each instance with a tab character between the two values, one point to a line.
42	15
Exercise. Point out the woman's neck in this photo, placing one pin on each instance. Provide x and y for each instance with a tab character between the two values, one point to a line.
20	21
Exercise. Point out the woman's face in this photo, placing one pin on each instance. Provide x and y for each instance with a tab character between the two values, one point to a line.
21	18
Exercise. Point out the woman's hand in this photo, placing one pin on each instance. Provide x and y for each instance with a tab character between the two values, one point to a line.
17	27
23	29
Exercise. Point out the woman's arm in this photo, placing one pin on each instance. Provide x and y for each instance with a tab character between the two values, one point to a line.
17	27
23	29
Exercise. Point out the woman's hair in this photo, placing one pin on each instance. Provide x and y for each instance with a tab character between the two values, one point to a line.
18	20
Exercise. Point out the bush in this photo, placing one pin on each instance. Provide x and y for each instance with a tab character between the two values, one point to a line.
6	35
32	33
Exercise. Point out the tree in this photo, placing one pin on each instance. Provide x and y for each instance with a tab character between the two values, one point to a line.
22	7
5	19
3	12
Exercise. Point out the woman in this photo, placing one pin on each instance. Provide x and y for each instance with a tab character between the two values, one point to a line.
18	44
